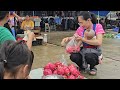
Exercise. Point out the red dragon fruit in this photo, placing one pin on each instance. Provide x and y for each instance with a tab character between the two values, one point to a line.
71	77
58	64
71	66
55	72
47	72
60	71
65	77
47	67
72	49
66	71
74	71
52	66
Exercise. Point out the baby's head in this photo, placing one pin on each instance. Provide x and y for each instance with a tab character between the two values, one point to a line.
90	34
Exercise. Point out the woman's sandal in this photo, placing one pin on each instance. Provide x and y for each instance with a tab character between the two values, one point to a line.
93	70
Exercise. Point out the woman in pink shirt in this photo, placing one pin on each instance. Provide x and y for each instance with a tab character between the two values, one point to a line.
91	48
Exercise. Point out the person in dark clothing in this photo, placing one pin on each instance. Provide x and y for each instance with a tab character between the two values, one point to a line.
102	22
63	24
106	22
118	26
8	27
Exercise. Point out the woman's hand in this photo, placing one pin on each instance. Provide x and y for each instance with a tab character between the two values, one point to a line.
65	40
78	38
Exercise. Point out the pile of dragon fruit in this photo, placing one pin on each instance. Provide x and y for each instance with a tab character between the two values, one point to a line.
68	72
72	49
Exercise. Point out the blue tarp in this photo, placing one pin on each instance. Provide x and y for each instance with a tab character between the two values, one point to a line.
101	13
58	20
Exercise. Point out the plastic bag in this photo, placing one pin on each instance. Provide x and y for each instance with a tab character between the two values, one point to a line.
73	46
63	60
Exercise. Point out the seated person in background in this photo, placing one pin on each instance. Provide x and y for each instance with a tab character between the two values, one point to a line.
27	24
15	60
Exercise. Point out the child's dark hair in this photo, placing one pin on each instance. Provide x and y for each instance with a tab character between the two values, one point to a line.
86	15
12	55
3	14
